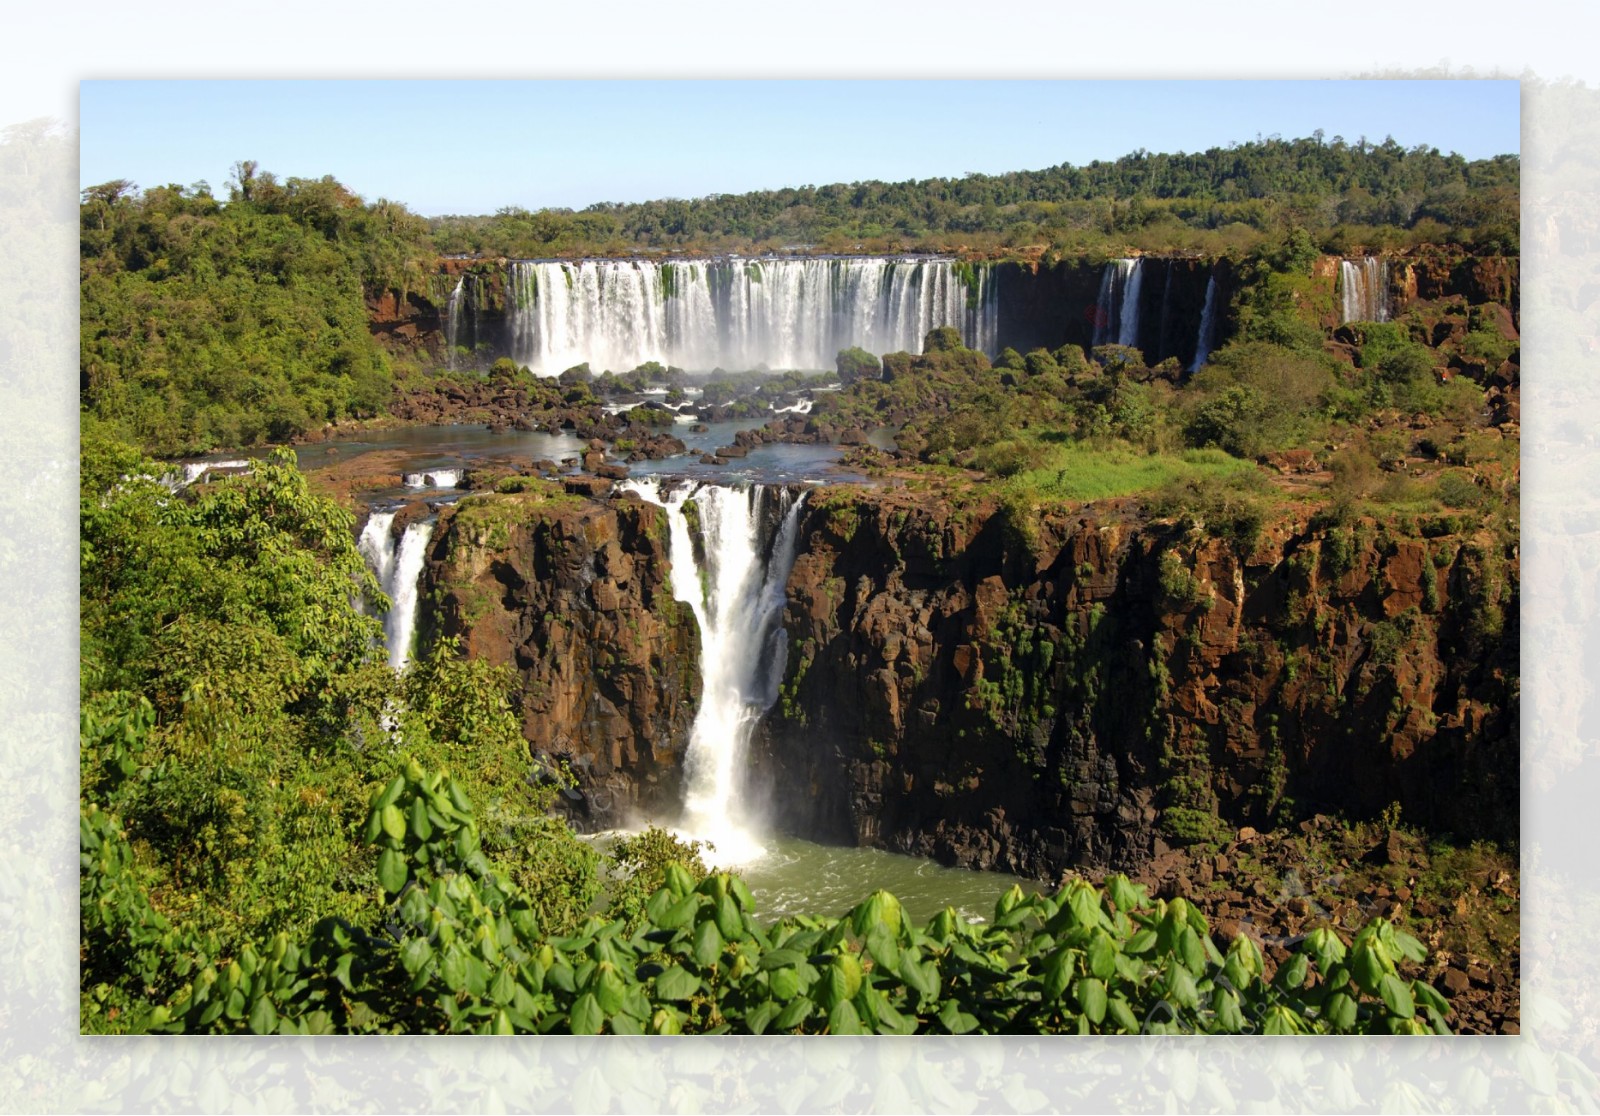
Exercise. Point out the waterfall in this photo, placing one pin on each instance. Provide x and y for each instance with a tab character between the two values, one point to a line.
433	478
452	323
398	566
1128	333
1364	289
738	313
748	541
194	471
1116	319
1208	325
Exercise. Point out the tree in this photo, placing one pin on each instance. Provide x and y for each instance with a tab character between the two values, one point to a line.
857	364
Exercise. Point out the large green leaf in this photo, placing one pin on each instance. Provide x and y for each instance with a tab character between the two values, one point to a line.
956	1021
608	989
707	943
392	871
843	1020
1091	994
586	1018
1396	995
263	1017
792	1015
1058	970
677	983
394	822
729	924
1102	955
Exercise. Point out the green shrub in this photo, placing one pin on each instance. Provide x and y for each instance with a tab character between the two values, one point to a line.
857	364
463	952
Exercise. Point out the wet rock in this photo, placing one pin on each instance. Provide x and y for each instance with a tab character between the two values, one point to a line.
594	487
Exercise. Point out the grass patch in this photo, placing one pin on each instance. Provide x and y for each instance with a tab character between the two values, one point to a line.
1078	472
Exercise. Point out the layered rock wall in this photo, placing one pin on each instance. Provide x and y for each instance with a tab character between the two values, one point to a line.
991	688
575	596
1087	691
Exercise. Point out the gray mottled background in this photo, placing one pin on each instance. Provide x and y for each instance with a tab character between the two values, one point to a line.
46	1067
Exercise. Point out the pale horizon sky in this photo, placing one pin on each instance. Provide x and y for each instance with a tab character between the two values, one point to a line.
472	147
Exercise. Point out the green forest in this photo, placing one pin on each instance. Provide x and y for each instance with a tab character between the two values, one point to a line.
214	322
1350	195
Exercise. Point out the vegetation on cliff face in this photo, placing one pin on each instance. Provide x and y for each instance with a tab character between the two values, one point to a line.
252	862
237	712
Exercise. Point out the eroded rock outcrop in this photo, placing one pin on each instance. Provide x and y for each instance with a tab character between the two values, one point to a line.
1000	689
1086	689
575	595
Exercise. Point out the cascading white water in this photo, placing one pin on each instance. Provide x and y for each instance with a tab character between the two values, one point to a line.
1128	333
433	478
397	566
1364	289
197	470
737	313
737	600
452	322
1116	319
1208	325
377	547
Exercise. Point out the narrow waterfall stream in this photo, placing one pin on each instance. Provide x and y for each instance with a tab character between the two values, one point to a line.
397	564
1364	290
747	539
1208	325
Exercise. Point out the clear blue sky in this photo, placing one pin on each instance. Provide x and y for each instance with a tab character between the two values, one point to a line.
472	147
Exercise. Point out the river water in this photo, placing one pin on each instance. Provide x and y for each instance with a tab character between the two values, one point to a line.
801	877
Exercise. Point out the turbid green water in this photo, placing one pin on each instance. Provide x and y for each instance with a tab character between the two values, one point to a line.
797	877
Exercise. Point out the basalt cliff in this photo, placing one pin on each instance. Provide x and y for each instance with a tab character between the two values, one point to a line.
1028	693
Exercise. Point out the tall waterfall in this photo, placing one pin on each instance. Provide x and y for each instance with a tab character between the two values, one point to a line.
737	313
1364	289
1208	325
452	322
398	566
748	540
1116	320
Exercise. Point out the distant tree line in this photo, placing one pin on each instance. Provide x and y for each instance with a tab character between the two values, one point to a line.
214	322
1260	186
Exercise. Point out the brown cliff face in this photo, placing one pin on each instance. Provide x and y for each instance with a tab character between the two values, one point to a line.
405	323
575	595
414	323
952	693
1050	305
1072	691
